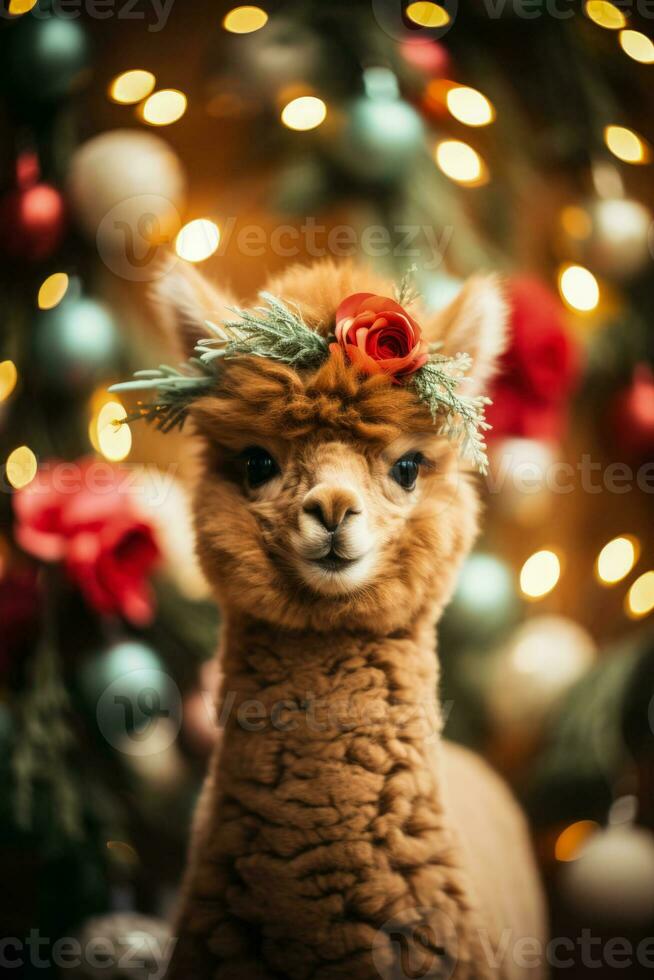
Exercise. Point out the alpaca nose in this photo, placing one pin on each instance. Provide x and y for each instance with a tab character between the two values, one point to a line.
331	505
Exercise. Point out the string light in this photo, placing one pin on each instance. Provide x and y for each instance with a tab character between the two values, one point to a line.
640	598
245	20
571	840
605	14
626	145
579	288
52	290
197	240
638	46
469	106
113	436
8	379
164	107
305	112
461	163
539	574
18	7
616	559
132	86
21	467
425	14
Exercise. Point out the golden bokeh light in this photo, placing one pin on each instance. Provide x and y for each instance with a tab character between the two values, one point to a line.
21	467
164	107
132	86
539	574
579	288
640	598
616	559
197	240
114	437
571	840
305	112
8	379
605	14
638	46
245	20
627	145
52	290
425	14
576	222
18	7
461	163
469	106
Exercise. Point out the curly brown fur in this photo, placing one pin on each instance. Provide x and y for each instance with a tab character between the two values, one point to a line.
331	832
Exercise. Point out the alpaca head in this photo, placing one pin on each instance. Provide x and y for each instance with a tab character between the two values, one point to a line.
327	499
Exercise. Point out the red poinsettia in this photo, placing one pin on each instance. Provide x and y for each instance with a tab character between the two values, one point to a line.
85	517
378	336
539	369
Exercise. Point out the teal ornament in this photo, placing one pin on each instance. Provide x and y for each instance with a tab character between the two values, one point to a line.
48	57
380	138
486	604
130	693
76	344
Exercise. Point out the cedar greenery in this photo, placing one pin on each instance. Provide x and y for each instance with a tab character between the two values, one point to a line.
277	332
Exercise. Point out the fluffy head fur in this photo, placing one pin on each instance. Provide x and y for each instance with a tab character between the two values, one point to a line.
334	436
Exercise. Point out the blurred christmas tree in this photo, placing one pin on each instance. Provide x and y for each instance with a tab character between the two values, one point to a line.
456	137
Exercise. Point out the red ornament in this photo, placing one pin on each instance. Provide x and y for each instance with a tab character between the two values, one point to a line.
425	55
631	415
86	520
539	369
33	216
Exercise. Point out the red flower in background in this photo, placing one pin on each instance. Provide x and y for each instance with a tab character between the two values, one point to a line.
86	520
378	336
539	369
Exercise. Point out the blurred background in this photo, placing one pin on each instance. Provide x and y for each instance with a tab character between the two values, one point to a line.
513	135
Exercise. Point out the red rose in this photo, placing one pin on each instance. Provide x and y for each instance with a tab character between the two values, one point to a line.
378	336
83	515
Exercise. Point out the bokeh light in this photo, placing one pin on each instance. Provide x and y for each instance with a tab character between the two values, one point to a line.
305	112
640	598
616	559
579	288
605	14
21	467
576	222
539	574
469	106
52	290
461	163
8	379
425	14
626	144
18	7
114	437
132	86
638	46
197	240
572	839
245	19
164	107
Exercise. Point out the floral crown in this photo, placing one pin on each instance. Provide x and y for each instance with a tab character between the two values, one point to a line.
375	333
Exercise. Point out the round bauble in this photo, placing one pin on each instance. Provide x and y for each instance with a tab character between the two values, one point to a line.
32	222
522	478
541	660
76	343
612	879
136	703
379	139
609	235
485	604
47	60
127	190
631	416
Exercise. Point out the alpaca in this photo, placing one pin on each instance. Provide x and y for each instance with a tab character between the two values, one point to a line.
337	834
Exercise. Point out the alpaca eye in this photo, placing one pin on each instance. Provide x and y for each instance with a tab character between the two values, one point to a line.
259	466
405	470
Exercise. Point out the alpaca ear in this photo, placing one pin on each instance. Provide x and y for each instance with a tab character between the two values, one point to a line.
475	323
183	300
